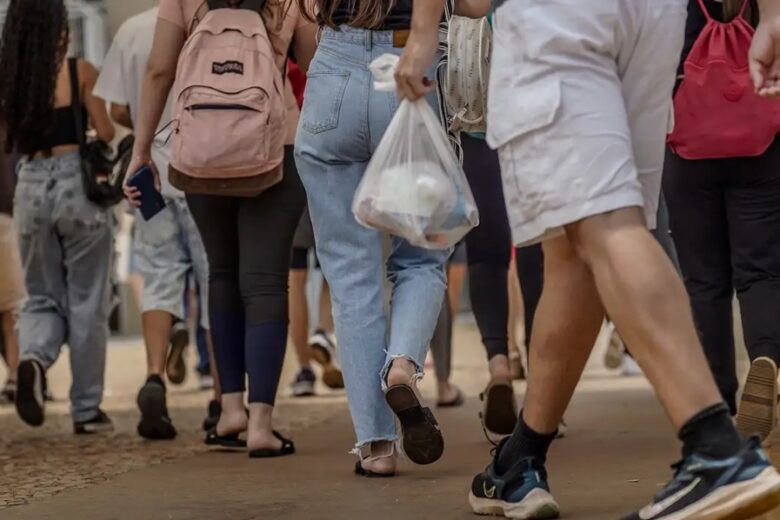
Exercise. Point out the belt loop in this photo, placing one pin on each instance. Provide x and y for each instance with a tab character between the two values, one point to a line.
369	39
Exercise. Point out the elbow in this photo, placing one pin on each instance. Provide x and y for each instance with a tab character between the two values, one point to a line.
161	75
472	8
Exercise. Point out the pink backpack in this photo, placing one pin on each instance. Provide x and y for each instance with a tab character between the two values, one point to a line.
228	106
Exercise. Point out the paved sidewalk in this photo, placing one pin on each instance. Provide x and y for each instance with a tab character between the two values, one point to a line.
615	458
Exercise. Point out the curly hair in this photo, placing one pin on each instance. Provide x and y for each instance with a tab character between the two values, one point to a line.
33	45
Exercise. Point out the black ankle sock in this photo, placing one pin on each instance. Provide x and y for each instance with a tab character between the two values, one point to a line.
523	443
711	432
154	378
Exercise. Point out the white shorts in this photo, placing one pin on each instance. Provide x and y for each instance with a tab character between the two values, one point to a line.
580	105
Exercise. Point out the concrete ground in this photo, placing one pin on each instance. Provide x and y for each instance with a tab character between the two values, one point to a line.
616	456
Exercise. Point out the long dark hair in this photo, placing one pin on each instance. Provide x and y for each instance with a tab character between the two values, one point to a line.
368	14
32	49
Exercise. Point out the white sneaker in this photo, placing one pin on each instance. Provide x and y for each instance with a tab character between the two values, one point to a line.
631	368
616	350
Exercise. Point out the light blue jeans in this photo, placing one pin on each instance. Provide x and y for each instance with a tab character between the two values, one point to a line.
342	122
66	244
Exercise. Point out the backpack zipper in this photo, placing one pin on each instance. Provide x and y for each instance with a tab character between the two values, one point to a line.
215	106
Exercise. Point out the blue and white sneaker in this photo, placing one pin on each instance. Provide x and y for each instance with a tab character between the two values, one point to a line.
521	493
737	488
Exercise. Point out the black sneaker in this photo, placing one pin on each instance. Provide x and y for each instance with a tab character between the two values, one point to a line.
214	411
175	367
100	423
155	423
522	492
743	486
30	392
303	386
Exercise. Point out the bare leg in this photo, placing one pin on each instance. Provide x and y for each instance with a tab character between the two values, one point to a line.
213	365
11	342
299	318
566	327
326	310
456	274
157	332
515	308
645	297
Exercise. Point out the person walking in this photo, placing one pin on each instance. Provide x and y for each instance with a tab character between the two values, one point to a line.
342	121
168	247
726	222
248	239
593	81
320	346
65	239
12	292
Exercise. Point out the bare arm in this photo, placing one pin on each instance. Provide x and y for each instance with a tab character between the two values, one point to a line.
160	75
305	45
96	107
472	8
420	50
121	115
764	57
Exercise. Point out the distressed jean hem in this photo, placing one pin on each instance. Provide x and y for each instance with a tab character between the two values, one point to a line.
363	449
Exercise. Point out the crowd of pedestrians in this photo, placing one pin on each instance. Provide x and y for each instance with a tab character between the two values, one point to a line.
626	177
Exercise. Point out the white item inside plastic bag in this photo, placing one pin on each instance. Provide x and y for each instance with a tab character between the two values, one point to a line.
414	186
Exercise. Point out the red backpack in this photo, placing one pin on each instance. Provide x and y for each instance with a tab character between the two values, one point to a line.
717	112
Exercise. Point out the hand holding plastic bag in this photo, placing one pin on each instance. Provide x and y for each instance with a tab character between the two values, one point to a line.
414	186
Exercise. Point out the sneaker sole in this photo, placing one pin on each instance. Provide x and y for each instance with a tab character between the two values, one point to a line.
737	501
151	402
175	367
92	429
758	407
29	395
331	375
537	505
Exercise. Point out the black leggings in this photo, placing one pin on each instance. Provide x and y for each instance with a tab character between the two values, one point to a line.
489	252
725	222
248	243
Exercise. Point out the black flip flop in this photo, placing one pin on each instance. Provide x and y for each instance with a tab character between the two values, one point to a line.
288	448
230	440
363	472
500	413
455	403
422	439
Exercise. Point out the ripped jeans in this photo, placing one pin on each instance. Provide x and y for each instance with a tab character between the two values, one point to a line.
342	122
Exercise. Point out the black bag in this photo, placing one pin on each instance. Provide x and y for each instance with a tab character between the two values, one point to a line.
97	159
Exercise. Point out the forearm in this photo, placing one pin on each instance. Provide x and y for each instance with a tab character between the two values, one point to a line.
157	86
426	15
769	8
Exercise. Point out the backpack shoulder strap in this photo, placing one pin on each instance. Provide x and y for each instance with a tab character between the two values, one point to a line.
75	104
252	5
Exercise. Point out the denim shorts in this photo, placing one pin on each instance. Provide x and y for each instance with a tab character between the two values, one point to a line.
168	249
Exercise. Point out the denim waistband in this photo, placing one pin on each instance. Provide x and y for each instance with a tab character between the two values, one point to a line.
61	166
364	37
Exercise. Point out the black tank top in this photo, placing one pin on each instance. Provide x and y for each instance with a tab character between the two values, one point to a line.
63	130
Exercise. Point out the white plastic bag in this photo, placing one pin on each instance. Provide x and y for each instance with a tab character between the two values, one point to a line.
414	186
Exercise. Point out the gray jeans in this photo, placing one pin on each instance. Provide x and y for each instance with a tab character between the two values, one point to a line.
66	246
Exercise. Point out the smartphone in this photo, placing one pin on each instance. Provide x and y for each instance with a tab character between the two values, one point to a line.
152	202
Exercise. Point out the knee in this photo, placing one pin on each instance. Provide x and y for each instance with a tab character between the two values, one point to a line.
265	297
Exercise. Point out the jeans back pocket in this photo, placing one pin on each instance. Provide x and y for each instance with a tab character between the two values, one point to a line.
322	103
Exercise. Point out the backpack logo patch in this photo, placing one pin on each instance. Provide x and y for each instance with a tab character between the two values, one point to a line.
227	67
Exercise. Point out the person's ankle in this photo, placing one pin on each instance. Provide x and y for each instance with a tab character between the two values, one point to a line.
499	367
402	372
